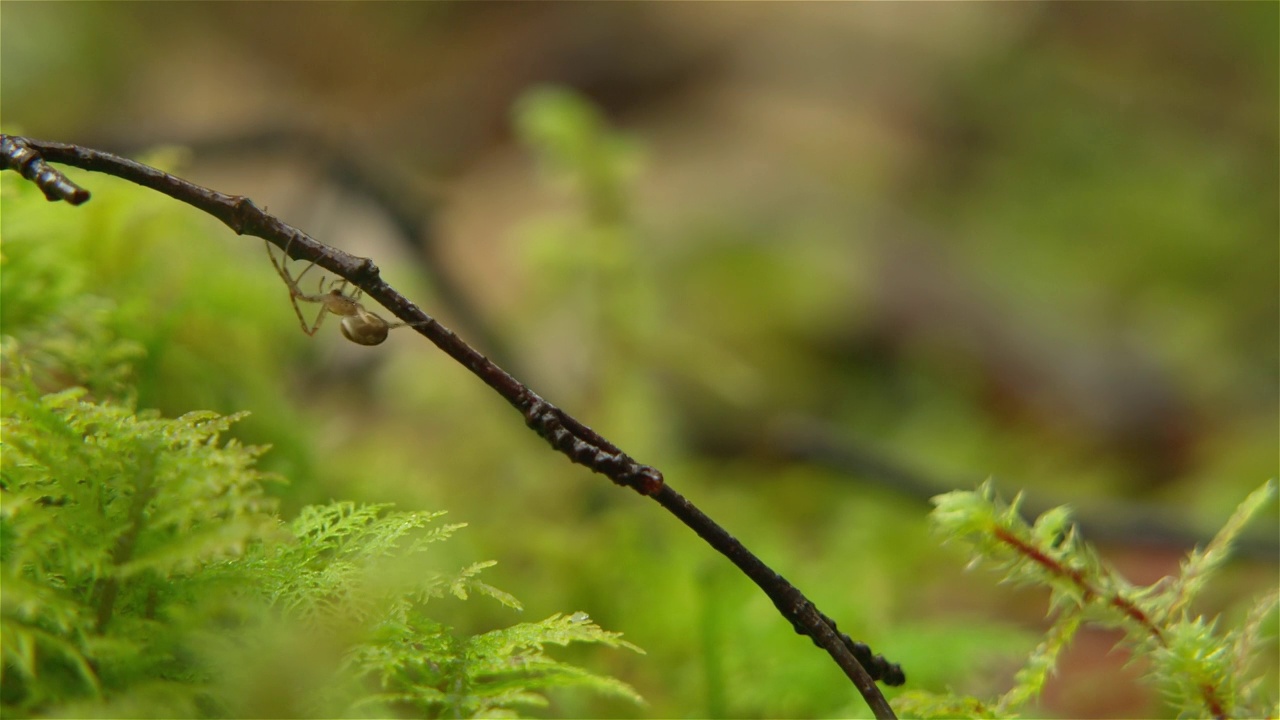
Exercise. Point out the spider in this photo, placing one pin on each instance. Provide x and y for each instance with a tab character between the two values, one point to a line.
360	326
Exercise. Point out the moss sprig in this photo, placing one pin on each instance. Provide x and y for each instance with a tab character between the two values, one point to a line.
1201	668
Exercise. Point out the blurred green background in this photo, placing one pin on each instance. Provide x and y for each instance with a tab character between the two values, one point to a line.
815	262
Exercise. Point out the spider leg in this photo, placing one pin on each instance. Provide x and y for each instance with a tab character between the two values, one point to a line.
279	270
295	293
319	319
293	282
340	284
304	272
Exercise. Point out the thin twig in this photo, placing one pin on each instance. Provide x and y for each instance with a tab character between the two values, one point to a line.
817	443
566	434
19	156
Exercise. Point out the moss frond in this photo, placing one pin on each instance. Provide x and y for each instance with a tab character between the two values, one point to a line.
1200	668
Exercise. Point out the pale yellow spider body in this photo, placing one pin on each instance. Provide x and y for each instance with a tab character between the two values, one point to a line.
358	325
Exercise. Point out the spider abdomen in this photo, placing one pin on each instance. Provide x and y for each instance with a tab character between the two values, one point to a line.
365	328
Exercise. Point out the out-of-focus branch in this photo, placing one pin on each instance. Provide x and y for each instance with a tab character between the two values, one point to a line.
579	443
814	443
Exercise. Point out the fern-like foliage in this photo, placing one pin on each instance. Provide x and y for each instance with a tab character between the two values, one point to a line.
145	572
108	519
489	675
358	571
143	565
1202	669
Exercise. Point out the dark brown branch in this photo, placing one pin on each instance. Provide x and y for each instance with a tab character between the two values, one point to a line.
17	155
578	442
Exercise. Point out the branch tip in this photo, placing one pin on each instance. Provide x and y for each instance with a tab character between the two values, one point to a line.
17	154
